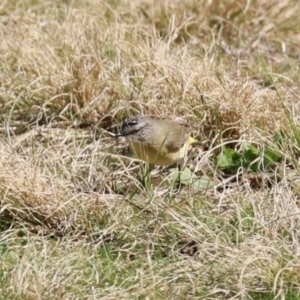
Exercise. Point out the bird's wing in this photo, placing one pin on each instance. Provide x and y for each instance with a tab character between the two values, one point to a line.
174	143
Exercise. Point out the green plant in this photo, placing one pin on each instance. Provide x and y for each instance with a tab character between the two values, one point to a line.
251	158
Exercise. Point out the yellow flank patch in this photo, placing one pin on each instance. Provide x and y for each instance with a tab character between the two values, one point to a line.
191	140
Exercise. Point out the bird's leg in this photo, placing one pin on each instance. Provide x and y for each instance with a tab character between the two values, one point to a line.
177	181
178	186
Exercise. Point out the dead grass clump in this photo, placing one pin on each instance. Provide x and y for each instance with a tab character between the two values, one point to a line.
36	198
79	70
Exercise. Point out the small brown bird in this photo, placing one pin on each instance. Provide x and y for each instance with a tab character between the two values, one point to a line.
157	142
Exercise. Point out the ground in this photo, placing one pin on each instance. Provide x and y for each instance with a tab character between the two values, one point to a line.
81	218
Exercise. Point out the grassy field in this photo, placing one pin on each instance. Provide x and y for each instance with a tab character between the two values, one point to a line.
77	221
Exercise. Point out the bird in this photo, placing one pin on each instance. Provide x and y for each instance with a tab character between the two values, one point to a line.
158	142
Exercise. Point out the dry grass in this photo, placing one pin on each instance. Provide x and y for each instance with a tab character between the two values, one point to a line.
76	221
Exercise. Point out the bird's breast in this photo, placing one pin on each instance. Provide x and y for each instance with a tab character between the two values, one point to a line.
158	155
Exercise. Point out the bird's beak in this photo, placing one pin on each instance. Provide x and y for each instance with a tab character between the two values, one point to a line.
122	133
119	134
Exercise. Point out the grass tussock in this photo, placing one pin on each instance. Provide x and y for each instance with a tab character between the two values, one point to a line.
80	218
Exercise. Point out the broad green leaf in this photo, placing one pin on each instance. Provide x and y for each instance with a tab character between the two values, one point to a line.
272	155
202	184
223	161
186	176
189	178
